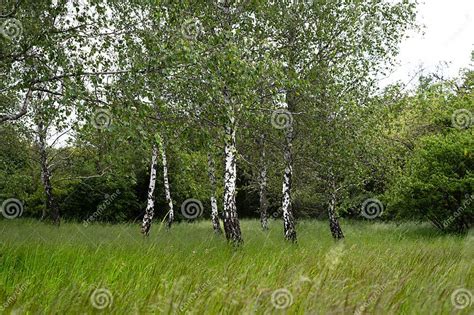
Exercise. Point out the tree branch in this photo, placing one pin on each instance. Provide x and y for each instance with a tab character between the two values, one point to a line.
23	109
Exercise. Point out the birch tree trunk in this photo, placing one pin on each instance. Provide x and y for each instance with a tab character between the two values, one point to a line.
334	225
231	221
150	207
51	205
263	185
287	202
166	183
287	206
212	179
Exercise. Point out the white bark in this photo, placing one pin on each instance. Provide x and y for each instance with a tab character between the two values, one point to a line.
287	207
51	205
166	183
263	185
231	222
214	211
150	207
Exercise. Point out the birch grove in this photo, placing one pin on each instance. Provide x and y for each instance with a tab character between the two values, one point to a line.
216	75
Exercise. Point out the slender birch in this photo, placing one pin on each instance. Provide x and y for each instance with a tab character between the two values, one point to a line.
150	208
287	204
262	181
214	211
166	184
51	204
231	221
334	225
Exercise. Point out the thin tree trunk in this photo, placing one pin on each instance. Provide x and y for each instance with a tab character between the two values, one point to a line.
287	206
212	179
166	183
263	185
334	225
287	202
150	207
231	221
51	204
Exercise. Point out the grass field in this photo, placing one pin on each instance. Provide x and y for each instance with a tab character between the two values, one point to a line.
378	269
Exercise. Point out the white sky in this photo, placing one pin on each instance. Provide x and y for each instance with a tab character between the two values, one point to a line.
449	37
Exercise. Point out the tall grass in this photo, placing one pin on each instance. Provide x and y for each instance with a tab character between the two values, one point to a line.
378	269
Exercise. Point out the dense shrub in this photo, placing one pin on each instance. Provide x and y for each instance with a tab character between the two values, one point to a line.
437	182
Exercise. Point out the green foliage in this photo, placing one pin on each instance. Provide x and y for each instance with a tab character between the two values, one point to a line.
432	171
438	182
100	199
177	74
16	176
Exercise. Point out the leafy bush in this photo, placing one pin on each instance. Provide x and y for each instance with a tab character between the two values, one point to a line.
437	182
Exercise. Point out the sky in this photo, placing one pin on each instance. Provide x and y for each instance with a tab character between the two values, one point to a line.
448	37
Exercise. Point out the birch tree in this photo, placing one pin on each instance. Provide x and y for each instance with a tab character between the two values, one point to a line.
166	183
231	221
48	126
51	204
212	180
262	179
225	78
326	46
150	206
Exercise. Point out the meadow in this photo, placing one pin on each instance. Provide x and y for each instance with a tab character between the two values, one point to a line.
378	269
